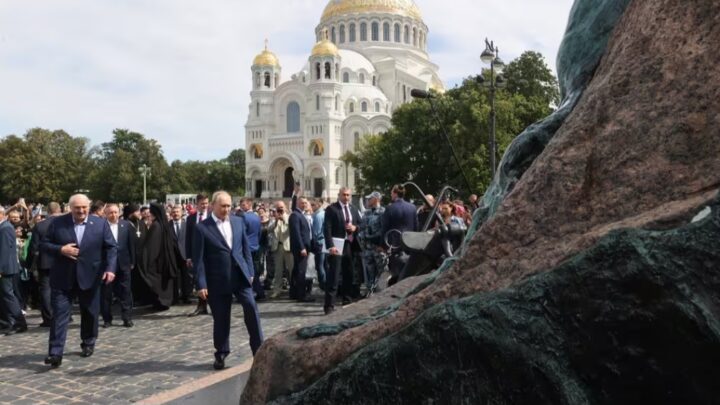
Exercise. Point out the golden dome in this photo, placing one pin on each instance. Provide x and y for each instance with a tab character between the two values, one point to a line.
342	7
266	58
325	48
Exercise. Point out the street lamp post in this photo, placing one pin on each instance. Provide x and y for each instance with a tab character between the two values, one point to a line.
144	172
491	56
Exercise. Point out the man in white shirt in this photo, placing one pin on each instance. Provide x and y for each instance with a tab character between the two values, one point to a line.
121	287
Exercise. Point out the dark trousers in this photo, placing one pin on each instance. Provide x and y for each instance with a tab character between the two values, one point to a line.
62	307
299	273
339	278
321	267
9	303
121	288
257	265
44	287
220	305
186	282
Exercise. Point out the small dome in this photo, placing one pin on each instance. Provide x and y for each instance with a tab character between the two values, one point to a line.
266	58
344	7
325	48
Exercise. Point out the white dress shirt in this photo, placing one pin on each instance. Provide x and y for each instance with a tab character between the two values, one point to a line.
80	230
225	229
114	230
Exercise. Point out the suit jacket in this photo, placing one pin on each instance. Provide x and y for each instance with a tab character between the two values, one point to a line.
180	236
190	225
300	233
9	263
125	245
400	215
281	234
220	268
334	225
97	244
253	227
44	260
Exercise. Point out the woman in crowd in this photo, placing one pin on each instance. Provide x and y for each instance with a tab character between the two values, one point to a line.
448	213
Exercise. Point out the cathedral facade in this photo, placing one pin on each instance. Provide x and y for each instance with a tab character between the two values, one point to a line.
369	55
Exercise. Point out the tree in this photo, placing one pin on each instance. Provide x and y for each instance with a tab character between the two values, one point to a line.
529	76
117	177
43	166
414	148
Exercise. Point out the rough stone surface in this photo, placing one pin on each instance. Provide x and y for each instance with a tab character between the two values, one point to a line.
633	320
639	150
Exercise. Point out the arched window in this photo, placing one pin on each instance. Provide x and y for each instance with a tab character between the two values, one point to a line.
374	80
356	139
386	32
363	31
257	80
257	109
375	31
377	107
346	77
337	71
404	93
337	176
317	102
351	108
342	34
407	35
337	102
267	79
351	32
328	70
397	32
293	117
332	35
363	106
415	37
362	78
317	71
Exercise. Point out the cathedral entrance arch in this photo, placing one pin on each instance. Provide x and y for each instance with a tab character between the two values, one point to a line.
284	171
289	183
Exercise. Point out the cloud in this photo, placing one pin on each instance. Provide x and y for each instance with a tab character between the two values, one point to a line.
179	70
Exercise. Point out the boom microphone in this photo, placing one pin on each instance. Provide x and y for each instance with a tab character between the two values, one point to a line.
417	93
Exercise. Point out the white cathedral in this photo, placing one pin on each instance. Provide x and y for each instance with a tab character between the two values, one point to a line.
370	54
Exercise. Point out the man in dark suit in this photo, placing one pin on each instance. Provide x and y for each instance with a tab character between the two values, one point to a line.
9	269
300	246
179	226
223	266
85	255
121	287
202	202
400	216
341	221
253	228
43	262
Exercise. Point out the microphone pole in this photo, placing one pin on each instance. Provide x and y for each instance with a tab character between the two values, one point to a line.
417	93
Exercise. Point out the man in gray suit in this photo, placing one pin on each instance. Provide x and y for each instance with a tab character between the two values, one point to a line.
178	225
9	269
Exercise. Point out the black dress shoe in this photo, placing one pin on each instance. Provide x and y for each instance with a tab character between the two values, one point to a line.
45	325
200	310
107	324
128	323
219	364
329	310
87	351
53	361
346	301
307	299
16	329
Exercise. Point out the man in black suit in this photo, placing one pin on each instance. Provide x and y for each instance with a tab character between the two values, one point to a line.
223	265
341	221
9	269
121	287
399	216
179	227
300	246
202	203
43	261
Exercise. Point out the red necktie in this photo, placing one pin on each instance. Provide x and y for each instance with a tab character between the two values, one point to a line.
348	221
200	218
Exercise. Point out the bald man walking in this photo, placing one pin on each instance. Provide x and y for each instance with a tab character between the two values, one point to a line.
85	253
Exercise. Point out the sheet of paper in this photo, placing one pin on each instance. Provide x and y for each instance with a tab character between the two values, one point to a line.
338	242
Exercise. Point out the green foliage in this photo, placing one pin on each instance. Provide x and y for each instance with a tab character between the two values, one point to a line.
415	149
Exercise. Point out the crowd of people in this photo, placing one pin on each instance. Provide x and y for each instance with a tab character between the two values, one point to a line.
159	256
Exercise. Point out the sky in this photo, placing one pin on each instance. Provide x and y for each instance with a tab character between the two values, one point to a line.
178	71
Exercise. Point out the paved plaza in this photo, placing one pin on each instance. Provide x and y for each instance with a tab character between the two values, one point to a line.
163	351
